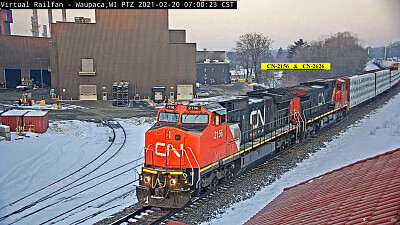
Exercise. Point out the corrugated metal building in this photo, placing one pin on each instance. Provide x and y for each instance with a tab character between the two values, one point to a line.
39	119
16	118
13	118
123	45
22	57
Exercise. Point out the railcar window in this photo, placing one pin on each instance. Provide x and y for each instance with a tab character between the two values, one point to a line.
339	87
168	117
195	118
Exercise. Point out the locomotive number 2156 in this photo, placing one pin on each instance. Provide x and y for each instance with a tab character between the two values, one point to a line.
218	133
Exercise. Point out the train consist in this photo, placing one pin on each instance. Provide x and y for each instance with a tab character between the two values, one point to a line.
196	145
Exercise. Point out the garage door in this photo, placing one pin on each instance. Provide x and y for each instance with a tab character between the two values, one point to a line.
36	77
87	92
185	92
13	78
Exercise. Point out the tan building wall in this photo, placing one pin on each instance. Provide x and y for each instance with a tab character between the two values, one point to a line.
177	36
129	45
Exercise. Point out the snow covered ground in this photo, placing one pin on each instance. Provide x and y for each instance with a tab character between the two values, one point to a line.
32	163
370	66
376	133
64	106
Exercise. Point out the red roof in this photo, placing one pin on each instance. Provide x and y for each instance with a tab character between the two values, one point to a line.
172	222
364	192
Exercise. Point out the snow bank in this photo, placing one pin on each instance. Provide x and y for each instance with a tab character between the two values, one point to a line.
376	133
31	163
370	66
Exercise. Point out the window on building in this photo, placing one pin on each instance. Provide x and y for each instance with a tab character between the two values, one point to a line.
87	67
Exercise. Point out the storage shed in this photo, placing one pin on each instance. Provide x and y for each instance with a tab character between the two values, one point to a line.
40	119
13	118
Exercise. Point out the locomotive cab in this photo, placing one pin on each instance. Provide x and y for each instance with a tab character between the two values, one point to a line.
184	139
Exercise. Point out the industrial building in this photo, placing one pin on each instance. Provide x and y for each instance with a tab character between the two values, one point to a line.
24	58
5	20
212	68
134	46
213	73
82	60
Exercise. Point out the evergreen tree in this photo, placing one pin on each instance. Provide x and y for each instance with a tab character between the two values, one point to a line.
296	48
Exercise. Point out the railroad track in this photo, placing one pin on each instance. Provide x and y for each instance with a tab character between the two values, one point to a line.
59	186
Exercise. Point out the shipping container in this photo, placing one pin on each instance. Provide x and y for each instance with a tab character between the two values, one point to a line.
13	118
40	120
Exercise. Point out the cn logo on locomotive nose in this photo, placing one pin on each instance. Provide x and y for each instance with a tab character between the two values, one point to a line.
169	147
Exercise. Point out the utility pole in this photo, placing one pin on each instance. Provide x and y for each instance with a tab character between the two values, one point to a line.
41	70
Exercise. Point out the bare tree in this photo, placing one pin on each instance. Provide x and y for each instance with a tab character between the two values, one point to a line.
253	48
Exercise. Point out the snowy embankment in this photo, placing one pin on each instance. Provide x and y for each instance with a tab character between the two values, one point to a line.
32	163
376	133
370	66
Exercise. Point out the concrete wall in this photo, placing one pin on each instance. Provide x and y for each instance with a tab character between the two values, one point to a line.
129	45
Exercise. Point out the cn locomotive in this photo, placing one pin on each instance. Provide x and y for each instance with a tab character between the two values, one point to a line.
194	146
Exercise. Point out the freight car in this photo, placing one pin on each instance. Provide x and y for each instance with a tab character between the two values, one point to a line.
195	145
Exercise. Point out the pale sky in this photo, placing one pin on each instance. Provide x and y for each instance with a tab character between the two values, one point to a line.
376	22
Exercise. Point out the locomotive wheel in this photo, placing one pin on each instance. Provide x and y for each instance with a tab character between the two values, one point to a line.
214	183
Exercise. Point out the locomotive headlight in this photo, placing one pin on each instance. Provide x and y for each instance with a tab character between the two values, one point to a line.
173	181
147	179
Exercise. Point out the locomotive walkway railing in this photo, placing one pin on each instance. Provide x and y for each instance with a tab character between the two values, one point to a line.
176	151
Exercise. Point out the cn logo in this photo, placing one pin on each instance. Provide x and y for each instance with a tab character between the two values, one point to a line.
169	147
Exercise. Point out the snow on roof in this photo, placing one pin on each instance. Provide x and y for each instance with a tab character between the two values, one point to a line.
36	113
255	100
362	192
5	127
219	98
15	112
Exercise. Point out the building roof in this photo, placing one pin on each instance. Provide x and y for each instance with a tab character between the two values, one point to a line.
15	112
36	113
364	192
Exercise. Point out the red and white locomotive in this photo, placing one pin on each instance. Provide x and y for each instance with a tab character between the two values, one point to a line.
196	145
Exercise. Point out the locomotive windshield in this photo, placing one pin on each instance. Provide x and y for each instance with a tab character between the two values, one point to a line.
168	117
195	118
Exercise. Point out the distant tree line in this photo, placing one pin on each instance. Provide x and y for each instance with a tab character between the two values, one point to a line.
343	50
